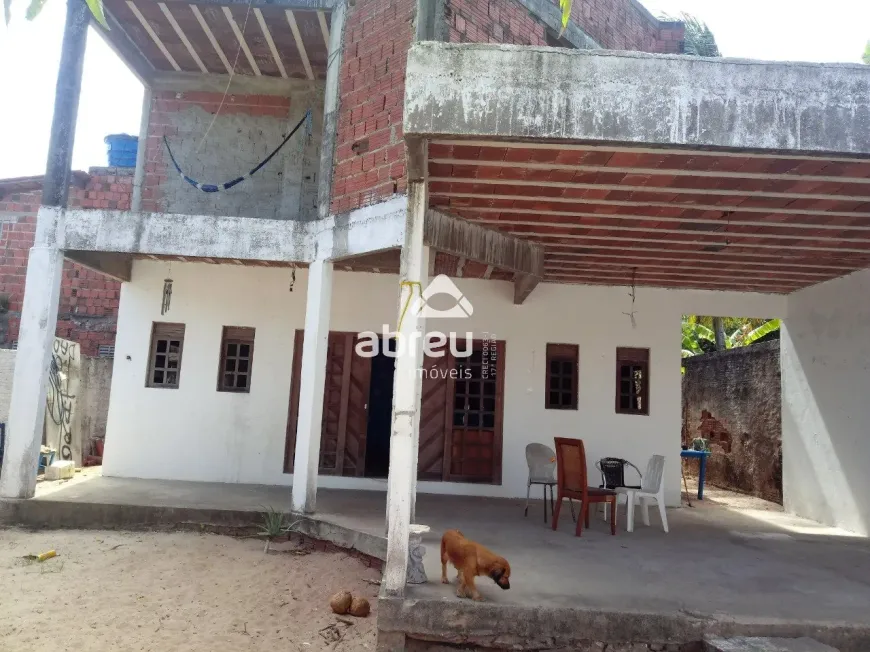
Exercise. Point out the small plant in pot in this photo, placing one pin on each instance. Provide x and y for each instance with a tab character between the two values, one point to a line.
275	526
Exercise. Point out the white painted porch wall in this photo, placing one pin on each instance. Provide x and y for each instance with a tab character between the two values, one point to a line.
826	403
197	433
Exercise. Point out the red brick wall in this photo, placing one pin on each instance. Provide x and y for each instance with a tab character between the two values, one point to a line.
88	307
615	24
493	21
369	163
623	25
369	147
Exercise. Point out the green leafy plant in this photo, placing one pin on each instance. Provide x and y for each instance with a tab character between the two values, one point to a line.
866	56
275	525
747	335
35	6
565	6
699	40
698	337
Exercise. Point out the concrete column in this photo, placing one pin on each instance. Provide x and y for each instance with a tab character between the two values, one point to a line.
139	172
331	107
300	189
424	263
306	460
407	388
29	380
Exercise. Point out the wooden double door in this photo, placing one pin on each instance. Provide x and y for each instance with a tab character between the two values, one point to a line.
460	423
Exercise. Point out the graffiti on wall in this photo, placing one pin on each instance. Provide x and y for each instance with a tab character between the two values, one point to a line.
63	377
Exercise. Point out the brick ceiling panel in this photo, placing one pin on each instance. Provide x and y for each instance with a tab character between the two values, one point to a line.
664	218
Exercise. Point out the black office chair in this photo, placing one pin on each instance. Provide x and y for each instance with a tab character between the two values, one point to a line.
613	473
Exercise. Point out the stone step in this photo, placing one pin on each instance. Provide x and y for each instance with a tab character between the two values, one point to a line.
754	644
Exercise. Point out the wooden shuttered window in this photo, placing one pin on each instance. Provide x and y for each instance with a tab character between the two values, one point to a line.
237	359
164	361
562	379
632	381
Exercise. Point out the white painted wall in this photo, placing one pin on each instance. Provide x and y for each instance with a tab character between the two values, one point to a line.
826	403
197	433
7	368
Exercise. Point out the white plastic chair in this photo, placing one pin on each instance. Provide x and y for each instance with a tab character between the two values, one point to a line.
542	470
652	487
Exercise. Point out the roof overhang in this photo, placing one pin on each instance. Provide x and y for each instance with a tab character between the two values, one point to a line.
660	170
280	39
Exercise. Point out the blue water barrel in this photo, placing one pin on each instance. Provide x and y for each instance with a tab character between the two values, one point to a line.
122	150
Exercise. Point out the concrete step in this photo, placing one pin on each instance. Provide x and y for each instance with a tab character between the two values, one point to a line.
754	644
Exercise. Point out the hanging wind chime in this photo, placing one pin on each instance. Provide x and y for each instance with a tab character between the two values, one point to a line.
633	295
167	292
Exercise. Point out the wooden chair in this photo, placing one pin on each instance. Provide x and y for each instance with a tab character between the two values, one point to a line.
572	482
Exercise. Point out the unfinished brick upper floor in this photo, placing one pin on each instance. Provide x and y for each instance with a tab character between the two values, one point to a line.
369	161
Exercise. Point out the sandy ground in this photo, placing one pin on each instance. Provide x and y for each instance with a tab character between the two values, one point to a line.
179	592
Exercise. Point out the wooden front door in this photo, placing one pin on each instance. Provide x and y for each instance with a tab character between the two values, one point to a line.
345	407
436	417
460	422
474	448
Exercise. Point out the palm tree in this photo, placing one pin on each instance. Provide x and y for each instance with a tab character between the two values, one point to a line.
699	40
96	7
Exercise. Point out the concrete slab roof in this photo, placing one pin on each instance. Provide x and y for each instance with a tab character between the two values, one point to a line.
512	92
635	169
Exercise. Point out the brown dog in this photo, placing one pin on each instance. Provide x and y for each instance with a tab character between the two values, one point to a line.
470	560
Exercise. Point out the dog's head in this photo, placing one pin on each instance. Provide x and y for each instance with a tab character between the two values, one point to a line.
501	573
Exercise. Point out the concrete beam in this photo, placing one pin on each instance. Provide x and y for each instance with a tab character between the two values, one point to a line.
116	266
523	286
417	157
180	82
465	239
358	232
511	92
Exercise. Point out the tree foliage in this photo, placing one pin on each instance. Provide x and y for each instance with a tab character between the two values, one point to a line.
866	57
698	335
699	39
35	6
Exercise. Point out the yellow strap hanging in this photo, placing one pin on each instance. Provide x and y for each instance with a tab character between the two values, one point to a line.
411	285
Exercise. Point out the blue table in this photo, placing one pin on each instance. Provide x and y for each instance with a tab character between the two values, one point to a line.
701	456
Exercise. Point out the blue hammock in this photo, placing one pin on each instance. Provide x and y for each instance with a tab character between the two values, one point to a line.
212	187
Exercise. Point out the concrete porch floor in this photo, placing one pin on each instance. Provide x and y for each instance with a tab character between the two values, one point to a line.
728	559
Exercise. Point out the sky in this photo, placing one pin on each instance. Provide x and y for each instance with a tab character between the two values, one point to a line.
111	101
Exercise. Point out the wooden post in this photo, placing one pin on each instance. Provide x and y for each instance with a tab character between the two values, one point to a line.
407	390
55	187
